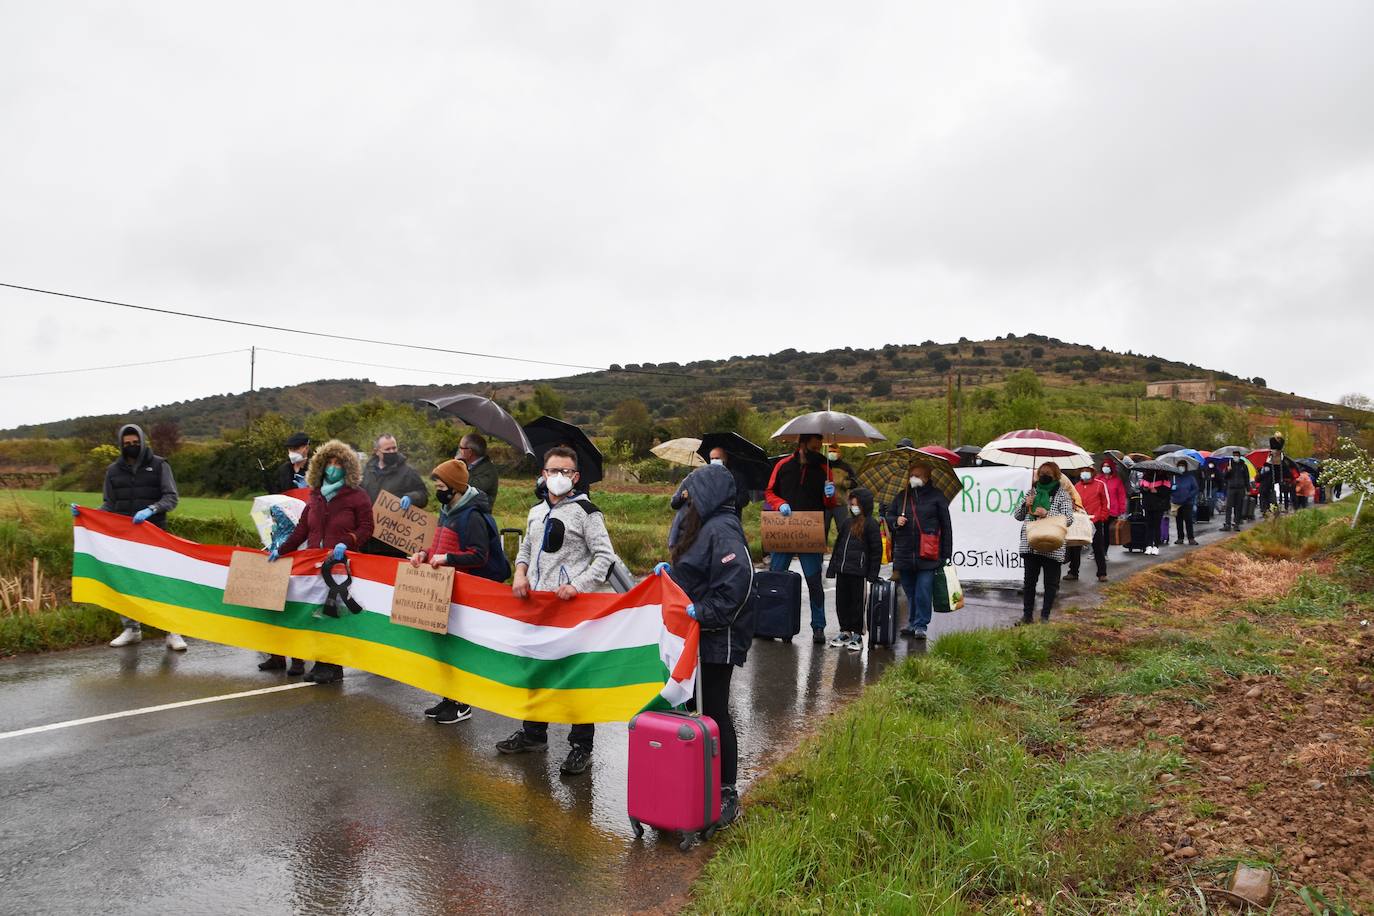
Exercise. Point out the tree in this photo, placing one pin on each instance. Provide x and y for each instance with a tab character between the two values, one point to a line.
632	426
545	402
166	437
1023	383
1259	382
1357	401
716	414
880	389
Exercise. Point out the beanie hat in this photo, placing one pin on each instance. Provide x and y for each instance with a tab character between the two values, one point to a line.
453	473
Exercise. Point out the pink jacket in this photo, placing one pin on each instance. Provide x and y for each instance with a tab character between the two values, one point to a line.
1116	494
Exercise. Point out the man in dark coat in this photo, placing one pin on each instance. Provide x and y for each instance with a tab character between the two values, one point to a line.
290	474
482	474
139	484
1237	487
387	470
800	483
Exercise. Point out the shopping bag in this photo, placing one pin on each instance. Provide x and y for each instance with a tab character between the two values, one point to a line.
1081	531
948	593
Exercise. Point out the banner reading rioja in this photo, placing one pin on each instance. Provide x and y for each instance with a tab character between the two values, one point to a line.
986	537
595	658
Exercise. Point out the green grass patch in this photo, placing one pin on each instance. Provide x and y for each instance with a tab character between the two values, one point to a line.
66	627
1179	660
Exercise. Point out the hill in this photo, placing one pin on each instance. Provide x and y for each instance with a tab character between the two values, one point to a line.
882	379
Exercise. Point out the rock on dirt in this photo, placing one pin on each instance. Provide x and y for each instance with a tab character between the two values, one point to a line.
1253	884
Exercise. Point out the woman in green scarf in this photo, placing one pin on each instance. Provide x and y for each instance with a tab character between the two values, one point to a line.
1046	498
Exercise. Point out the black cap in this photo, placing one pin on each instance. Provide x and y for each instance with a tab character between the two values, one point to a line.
297	440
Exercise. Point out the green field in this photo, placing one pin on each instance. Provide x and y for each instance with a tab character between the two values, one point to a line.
190	506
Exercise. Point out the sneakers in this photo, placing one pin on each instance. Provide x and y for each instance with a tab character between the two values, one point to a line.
1101	578
433	711
325	673
729	805
920	633
130	636
856	642
273	663
577	762
1178	543
521	743
1225	527
297	668
1071	577
453	712
1151	551
1192	543
175	643
907	631
818	637
839	641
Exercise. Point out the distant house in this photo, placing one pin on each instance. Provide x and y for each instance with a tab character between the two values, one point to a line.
1195	391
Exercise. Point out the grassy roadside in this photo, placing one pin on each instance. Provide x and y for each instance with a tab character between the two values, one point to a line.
1212	710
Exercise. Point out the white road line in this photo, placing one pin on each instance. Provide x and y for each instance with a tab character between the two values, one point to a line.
147	709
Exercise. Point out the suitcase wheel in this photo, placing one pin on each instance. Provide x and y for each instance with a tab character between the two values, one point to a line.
710	831
638	828
688	841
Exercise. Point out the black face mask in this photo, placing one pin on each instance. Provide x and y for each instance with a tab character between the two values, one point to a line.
444	496
1045	478
131	452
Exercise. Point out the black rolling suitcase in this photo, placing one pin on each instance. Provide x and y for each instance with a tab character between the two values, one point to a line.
881	613
777	604
1204	510
1140	534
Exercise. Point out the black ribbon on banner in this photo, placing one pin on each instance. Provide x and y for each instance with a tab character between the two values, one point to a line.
338	591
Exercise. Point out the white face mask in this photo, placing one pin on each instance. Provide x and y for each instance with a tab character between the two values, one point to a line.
295	457
559	485
833	456
855	510
718	461
1106	469
917	482
1086	476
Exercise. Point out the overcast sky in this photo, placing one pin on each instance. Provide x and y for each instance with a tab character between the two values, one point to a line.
597	183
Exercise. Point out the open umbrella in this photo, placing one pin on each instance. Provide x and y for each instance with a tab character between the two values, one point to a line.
547	432
484	414
1187	456
1156	464
1030	448
1138	456
886	473
1112	456
1259	456
746	458
1231	451
682	451
1166	449
967	454
949	455
836	427
1309	464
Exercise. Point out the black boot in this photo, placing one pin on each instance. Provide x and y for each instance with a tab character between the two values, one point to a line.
273	663
325	673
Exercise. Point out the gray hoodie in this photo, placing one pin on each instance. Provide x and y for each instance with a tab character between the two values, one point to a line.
566	543
124	476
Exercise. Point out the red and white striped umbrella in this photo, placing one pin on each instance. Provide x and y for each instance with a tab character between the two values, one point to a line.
1030	448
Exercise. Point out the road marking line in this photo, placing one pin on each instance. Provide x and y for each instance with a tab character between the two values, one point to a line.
147	709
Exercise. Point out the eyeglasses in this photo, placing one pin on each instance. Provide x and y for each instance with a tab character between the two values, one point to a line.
564	472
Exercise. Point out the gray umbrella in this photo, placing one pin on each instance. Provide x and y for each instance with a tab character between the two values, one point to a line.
486	415
1232	451
836	427
1155	465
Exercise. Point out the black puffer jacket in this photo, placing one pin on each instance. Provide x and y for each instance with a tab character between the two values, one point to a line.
716	571
926	509
858	555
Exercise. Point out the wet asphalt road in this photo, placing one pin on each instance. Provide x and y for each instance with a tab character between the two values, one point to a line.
343	798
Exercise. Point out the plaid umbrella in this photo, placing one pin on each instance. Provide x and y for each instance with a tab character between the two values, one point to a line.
1030	448
886	473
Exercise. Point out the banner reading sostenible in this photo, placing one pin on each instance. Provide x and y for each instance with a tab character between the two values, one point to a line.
986	537
596	658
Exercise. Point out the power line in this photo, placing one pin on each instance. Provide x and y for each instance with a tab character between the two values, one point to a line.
324	334
354	362
151	362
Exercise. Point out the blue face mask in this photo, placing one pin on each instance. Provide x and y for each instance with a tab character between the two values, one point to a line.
333	473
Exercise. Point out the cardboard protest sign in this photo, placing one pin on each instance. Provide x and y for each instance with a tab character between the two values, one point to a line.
800	532
254	582
421	596
986	536
409	531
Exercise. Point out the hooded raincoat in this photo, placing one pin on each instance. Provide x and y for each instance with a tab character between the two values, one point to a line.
145	483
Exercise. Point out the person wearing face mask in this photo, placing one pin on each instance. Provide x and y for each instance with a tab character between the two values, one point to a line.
800	483
920	513
338	514
388	470
566	551
856	559
139	484
721	457
1155	487
463	540
1097	503
1237	488
1183	496
290	474
1046	497
1117	503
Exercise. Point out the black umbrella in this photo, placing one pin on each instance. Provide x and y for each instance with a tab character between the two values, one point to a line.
746	458
547	432
1171	447
486	415
1162	466
967	454
1311	464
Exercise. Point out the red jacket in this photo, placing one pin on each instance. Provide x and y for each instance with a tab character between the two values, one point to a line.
800	484
1096	499
1116	493
346	519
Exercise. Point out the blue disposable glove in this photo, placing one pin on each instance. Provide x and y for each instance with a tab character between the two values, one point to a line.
339	550
405	503
692	611
829	489
661	568
298	480
76	510
272	555
142	515
785	510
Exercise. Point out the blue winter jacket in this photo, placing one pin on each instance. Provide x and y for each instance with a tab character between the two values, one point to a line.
716	571
1185	490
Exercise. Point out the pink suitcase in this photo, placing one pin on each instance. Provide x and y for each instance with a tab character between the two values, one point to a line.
674	774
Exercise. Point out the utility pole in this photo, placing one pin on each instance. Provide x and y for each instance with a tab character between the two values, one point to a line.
949	410
959	409
252	380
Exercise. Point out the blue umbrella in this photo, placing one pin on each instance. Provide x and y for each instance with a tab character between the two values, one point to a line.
1191	456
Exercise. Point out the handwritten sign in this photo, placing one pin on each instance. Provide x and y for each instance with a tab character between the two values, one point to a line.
421	596
800	532
409	530
254	582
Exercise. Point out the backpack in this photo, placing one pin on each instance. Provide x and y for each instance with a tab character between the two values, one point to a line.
497	568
